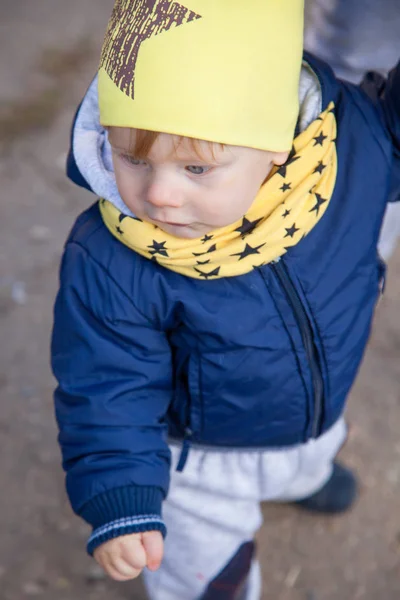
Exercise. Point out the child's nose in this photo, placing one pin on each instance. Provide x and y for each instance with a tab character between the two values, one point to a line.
162	194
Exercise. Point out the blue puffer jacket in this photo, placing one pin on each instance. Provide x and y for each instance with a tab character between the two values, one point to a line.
264	359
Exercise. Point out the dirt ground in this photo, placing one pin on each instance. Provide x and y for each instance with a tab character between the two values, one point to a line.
48	53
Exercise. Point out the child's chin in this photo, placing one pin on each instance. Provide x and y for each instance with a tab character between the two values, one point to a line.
182	231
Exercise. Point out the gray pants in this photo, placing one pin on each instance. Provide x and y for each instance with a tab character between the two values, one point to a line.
355	36
213	510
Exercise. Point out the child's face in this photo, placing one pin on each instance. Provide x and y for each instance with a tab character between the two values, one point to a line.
183	194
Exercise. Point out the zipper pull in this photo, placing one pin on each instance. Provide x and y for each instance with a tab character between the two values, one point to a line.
382	275
185	450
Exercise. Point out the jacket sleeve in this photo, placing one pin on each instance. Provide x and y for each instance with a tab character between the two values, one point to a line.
385	92
113	369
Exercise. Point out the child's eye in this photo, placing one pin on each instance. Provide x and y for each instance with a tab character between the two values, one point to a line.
197	170
132	160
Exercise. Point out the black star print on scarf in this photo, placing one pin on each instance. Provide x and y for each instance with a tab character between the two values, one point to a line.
158	248
291	230
121	217
286	213
211	249
319	139
285	187
206	238
214	273
320	167
320	201
247	226
291	159
247	251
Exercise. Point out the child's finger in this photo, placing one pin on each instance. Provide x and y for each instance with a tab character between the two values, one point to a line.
120	570
133	552
154	546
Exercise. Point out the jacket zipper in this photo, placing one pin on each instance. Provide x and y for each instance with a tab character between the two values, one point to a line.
187	436
281	272
186	443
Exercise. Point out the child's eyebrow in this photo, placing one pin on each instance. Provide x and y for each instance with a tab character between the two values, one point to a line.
195	158
190	155
116	147
187	158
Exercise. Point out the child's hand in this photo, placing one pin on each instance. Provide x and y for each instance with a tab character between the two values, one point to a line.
125	557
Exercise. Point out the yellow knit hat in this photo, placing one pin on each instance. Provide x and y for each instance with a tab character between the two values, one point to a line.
220	70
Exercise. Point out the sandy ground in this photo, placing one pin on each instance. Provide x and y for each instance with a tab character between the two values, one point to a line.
48	53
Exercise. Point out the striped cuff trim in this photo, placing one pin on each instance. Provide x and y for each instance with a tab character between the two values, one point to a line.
126	522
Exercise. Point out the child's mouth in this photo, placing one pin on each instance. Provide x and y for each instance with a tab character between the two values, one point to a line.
172	224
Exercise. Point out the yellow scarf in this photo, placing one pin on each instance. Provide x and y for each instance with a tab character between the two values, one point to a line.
288	205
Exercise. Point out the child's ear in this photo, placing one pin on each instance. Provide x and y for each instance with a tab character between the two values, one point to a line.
280	157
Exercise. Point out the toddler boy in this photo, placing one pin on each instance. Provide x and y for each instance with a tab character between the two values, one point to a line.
215	303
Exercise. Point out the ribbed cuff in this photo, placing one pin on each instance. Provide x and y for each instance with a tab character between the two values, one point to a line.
131	509
124	526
